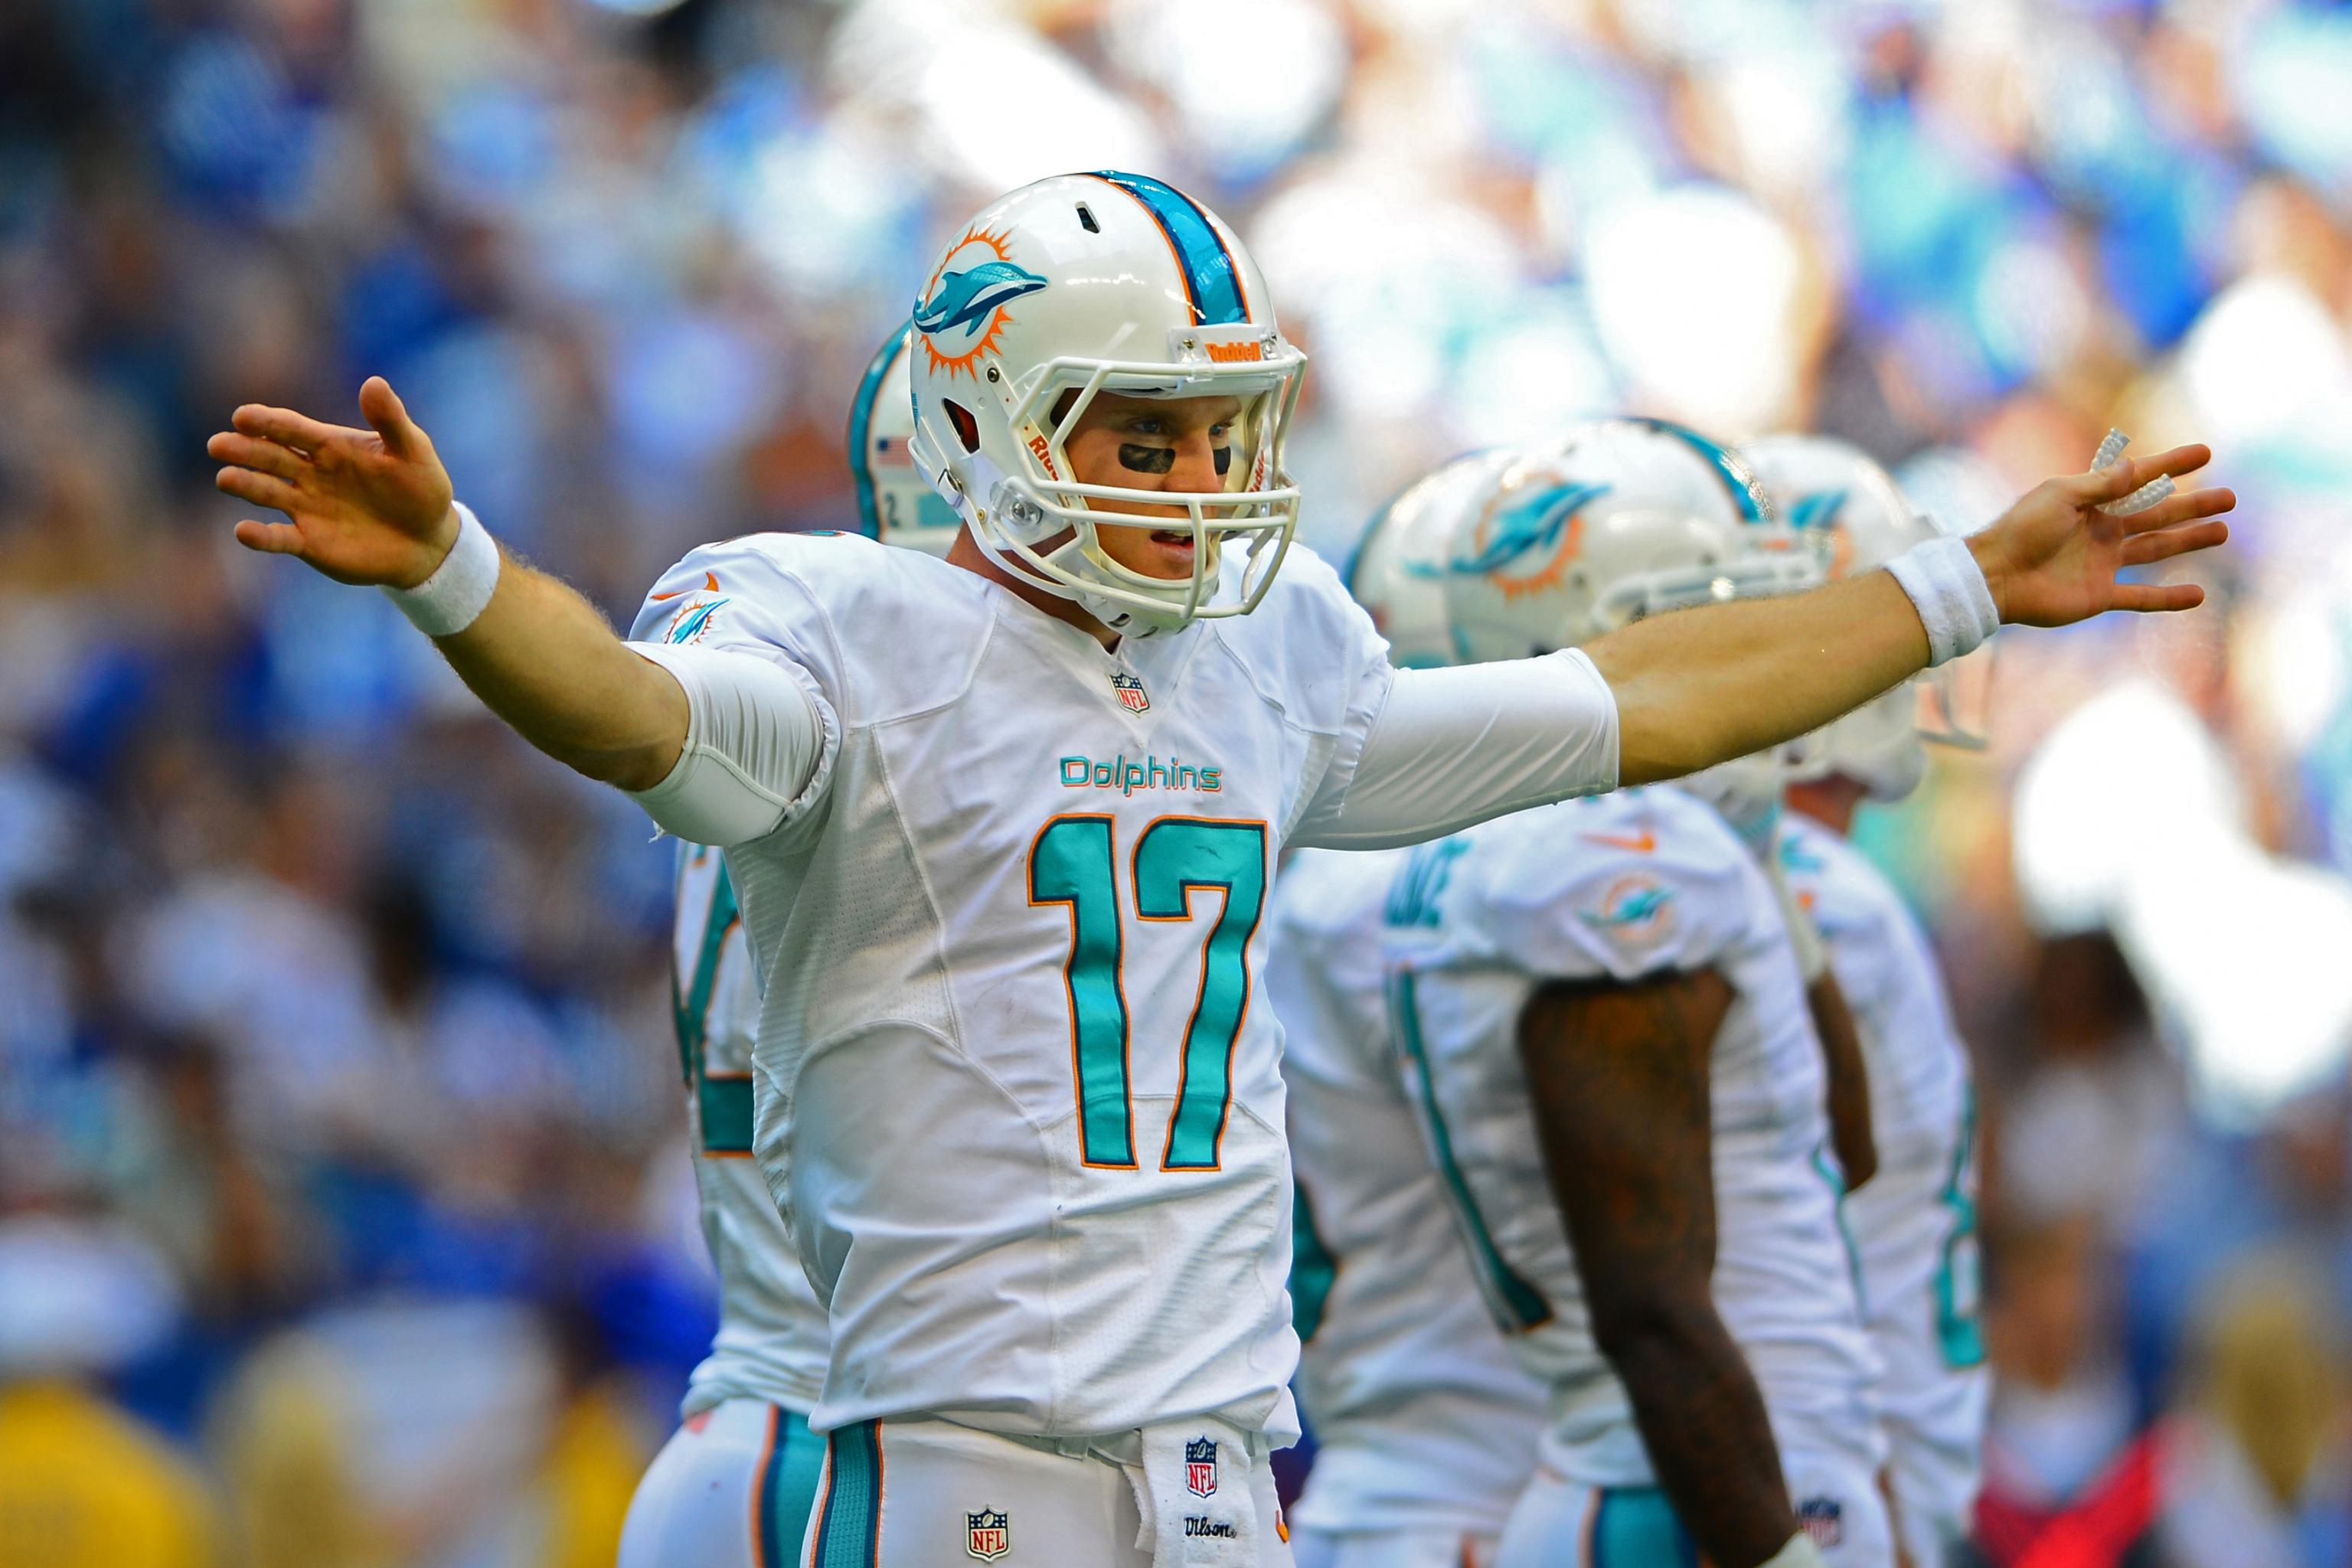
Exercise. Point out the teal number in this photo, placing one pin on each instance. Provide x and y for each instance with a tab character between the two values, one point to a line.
722	1101
1956	1279
1517	1304
1176	855
1830	1172
1312	1267
1071	864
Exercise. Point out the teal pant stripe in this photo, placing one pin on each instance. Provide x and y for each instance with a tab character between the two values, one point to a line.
1636	1527
850	1533
788	1483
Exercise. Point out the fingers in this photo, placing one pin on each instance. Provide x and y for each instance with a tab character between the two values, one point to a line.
2145	549
2181	507
2156	597
261	489
286	427
382	409
270	537
267	457
2114	483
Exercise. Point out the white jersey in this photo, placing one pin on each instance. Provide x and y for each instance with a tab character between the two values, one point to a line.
1015	1089
1423	1418
770	1344
1638	883
1914	1222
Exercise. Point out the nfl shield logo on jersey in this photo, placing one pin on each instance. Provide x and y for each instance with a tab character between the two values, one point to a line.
1201	1466
1823	1519
1131	695
988	1534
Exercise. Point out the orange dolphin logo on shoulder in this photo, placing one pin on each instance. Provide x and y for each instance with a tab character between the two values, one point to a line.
710	585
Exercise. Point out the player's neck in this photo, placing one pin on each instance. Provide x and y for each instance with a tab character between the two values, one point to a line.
968	554
1831	802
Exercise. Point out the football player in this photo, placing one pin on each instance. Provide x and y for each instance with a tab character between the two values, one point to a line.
1604	1026
1425	1423
731	1488
1003	825
1915	1226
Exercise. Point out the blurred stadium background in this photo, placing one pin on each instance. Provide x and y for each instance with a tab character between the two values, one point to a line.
344	1216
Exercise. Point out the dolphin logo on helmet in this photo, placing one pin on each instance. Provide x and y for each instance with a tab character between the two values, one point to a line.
1541	520
967	299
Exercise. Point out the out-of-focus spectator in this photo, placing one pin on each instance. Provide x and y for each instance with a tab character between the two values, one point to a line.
2258	1458
2071	1458
82	1484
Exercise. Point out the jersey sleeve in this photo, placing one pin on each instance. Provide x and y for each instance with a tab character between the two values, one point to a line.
763	735
1642	896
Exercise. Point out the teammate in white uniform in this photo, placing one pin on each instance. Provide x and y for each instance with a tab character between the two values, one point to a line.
1426	1426
1003	824
1915	1223
1604	1026
733	1487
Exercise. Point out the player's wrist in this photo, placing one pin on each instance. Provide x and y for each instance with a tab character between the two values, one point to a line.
1983	552
451	597
432	550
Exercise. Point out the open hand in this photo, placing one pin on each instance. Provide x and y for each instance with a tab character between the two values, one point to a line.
365	506
2053	559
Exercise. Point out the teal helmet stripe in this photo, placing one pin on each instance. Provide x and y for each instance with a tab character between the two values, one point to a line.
1211	281
861	428
1746	491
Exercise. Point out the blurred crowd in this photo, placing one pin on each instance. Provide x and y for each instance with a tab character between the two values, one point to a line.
344	1216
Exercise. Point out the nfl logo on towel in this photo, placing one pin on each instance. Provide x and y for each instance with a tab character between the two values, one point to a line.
1201	1466
988	1534
1131	695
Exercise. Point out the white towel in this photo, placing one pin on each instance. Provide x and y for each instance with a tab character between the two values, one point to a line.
1193	1490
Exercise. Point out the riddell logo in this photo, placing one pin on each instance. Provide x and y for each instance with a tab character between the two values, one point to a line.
1250	352
1044	455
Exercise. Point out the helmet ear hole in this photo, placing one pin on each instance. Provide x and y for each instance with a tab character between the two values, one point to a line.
967	428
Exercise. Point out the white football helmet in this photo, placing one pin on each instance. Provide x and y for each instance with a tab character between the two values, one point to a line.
1398	570
1618	519
1850	513
895	503
1071	287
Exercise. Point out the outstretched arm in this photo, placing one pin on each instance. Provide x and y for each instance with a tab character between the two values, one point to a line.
1618	1074
1704	686
1681	692
374	506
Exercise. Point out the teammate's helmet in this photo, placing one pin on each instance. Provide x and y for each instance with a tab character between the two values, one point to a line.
1849	511
1616	520
1068	288
895	503
1398	570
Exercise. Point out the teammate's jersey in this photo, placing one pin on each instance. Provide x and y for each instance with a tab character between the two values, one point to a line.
1914	1222
1015	1087
770	1344
1631	884
1422	1419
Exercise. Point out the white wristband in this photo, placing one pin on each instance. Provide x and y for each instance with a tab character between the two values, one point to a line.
1948	590
448	602
1798	1552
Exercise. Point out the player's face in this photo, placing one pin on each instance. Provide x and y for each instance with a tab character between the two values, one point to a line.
1152	444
